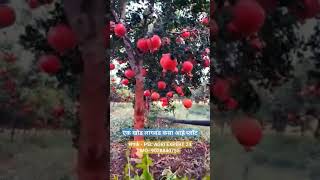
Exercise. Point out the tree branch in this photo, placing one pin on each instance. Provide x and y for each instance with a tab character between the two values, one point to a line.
123	5
130	51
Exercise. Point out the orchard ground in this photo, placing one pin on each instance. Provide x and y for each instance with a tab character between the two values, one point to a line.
47	154
122	117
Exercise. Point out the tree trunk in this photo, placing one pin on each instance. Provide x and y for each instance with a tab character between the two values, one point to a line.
87	20
138	109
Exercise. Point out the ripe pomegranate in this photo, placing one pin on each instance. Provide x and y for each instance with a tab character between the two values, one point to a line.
155	96
161	85
50	64
120	30
125	82
164	102
231	104
187	103
169	94
205	21
7	16
33	4
248	16
221	89
185	34
61	38
142	45
179	90
206	62
112	66
187	66
167	62
147	93
129	73
248	132
155	43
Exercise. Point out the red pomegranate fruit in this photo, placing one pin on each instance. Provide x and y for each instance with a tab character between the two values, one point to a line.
155	43
155	96
142	45
221	89
112	66
187	66
187	103
167	63
7	16
248	132
205	21
162	85
185	34
164	102
129	73
248	16
125	82
206	62
120	30
169	94
61	38
179	90
50	64
147	93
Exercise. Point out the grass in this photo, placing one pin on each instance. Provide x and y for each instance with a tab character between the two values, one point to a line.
278	157
42	156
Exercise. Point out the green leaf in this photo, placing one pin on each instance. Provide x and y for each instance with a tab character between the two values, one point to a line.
146	175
